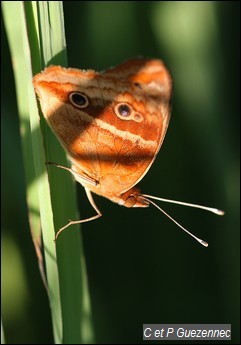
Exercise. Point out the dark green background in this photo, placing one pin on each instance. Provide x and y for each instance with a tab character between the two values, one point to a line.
141	267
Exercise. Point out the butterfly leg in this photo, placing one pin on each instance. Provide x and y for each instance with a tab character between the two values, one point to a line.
72	222
79	178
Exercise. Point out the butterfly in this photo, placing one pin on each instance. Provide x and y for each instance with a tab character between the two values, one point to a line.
111	124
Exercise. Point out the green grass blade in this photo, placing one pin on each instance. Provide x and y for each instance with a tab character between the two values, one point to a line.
38	189
66	275
2	334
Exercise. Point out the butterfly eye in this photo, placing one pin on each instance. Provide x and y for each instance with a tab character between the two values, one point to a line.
138	85
123	110
78	99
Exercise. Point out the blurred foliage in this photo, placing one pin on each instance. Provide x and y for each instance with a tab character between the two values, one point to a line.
141	267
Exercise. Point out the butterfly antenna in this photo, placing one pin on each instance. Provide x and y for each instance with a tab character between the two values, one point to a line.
214	210
210	209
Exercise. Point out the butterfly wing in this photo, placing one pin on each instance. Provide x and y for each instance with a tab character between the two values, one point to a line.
115	136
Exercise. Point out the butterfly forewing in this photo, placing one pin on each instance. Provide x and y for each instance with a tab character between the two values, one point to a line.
113	123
